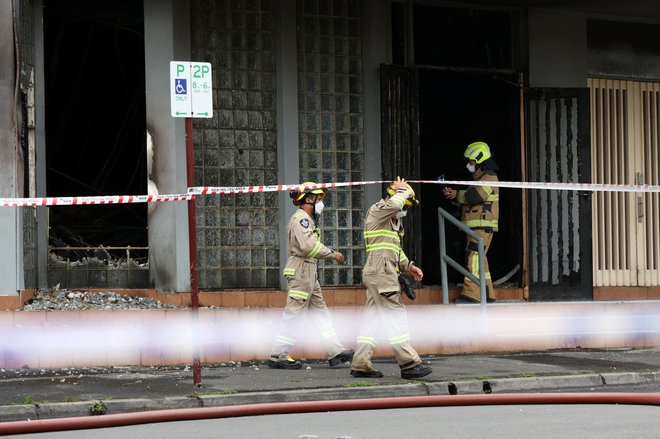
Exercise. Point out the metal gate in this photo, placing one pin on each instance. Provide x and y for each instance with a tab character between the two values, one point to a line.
625	146
400	140
559	221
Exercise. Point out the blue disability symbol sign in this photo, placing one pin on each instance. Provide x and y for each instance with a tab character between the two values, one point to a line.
180	86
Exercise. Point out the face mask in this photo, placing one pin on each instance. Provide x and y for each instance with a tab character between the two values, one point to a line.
472	168
318	207
401	214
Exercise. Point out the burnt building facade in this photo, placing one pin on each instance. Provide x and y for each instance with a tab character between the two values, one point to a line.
328	91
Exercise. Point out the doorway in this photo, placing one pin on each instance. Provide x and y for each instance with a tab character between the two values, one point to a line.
95	122
625	148
456	109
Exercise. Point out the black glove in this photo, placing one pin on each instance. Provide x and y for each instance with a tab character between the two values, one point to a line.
407	288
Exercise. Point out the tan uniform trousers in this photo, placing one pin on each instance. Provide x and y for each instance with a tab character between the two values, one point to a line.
470	289
295	311
385	315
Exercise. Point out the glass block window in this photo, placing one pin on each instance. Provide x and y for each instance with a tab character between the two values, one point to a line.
237	235
331	134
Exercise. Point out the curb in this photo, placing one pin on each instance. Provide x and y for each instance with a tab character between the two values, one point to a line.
466	387
327	394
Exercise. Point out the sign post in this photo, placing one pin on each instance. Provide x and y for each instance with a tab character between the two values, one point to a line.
191	96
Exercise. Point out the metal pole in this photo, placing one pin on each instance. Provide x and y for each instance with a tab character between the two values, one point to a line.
443	263
523	175
192	245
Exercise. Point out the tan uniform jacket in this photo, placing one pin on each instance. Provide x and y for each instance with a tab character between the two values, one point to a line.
382	236
480	204
304	248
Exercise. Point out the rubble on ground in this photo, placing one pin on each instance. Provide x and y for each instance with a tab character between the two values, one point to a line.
64	299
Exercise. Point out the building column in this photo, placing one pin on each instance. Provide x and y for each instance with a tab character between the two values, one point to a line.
376	51
167	38
288	171
11	250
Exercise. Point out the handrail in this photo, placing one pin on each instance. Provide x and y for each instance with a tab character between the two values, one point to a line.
446	259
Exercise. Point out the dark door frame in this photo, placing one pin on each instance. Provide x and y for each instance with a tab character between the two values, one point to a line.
551	126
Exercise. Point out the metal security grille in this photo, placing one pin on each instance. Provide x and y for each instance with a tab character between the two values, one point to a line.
400	136
331	133
651	175
625	127
555	232
237	235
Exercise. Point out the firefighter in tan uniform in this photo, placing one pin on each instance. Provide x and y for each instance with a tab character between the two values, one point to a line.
304	291
385	312
480	212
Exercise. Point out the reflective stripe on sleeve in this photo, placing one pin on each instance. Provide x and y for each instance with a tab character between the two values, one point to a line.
398	199
315	251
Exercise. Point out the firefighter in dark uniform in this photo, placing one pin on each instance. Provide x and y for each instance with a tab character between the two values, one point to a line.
383	230
480	212
304	290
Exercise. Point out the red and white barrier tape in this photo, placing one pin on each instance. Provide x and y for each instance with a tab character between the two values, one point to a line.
208	190
585	187
104	199
223	190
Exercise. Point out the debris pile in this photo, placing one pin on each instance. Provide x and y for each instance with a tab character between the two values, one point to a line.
63	299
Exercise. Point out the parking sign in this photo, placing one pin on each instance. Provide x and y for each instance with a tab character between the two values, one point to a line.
191	89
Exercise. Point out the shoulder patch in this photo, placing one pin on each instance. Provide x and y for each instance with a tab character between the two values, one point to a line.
304	222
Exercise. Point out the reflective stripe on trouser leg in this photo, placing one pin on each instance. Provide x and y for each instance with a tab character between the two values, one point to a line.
470	288
385	316
321	319
366	341
402	349
289	328
396	327
364	349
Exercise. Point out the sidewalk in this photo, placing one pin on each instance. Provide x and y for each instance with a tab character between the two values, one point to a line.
55	393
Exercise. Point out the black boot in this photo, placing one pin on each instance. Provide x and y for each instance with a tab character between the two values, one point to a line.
416	372
370	374
342	357
289	363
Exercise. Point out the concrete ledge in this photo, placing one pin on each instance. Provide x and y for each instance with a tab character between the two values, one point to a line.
64	409
334	296
541	383
27	412
142	405
613	379
441	388
465	387
314	395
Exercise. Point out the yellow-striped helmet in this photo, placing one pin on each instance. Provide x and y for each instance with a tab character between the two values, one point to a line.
412	201
298	194
477	151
